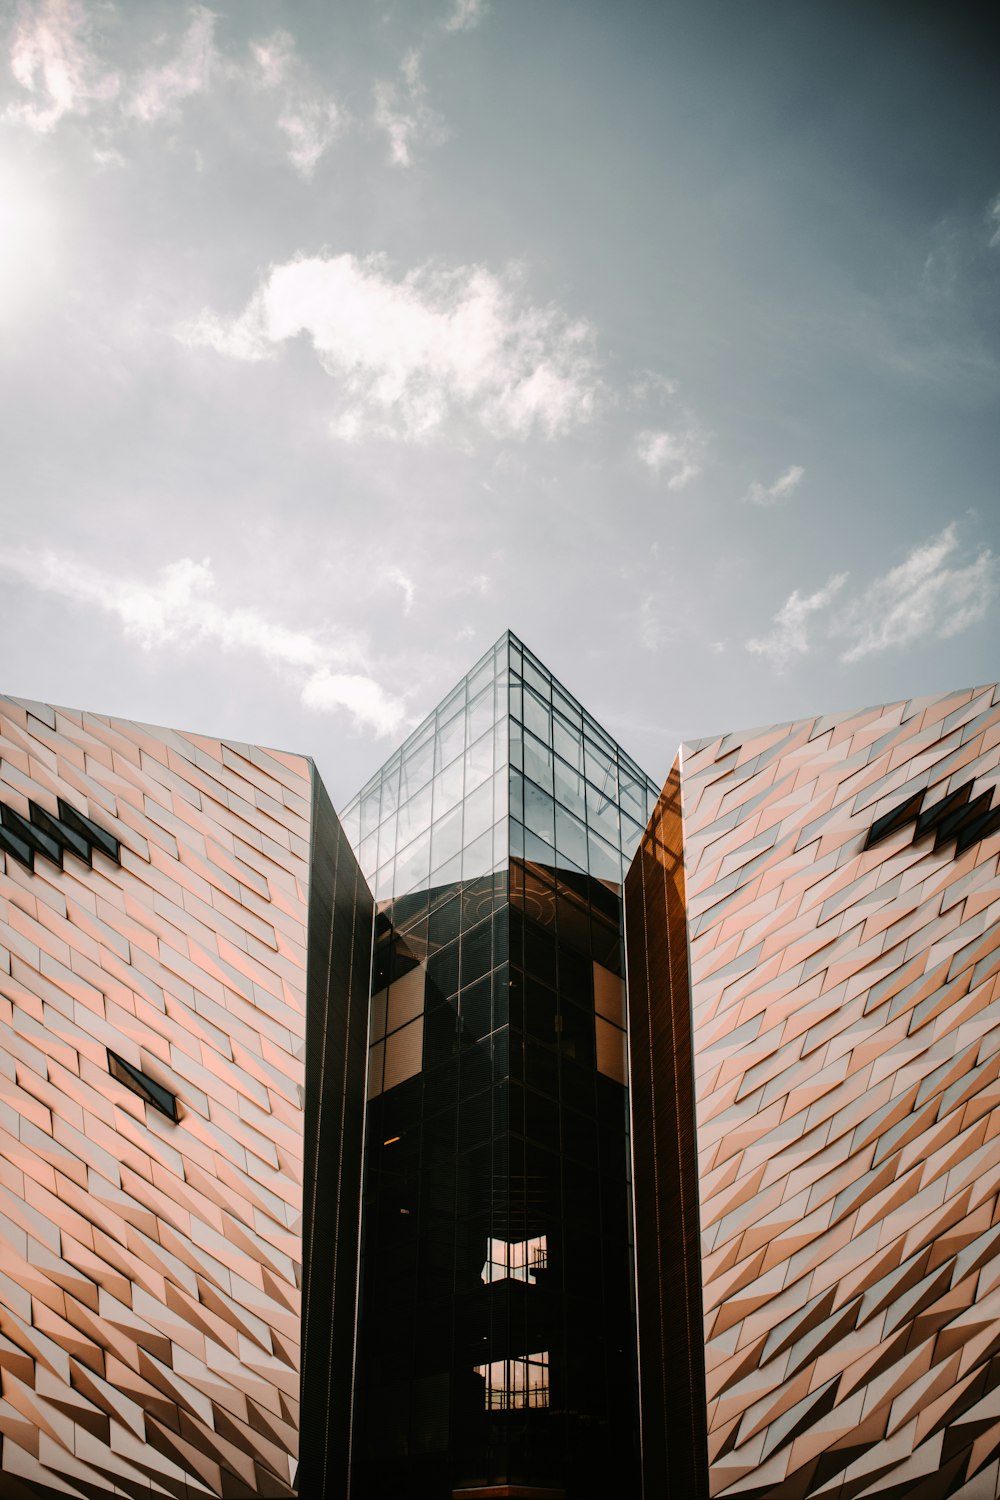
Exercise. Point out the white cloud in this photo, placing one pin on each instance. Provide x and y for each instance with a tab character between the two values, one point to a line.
158	90
650	627
179	610
51	57
922	596
465	14
759	494
651	385
993	219
399	578
678	454
273	59
790	636
311	127
311	121
415	354
402	111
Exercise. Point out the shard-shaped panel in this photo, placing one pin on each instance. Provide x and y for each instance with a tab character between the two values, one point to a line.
843	906
154	969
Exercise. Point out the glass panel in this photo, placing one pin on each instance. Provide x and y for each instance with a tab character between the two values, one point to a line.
537	717
446	838
514	1384
350	821
478	857
501	844
516	799
413	817
538	762
478	762
610	1050
479	812
377	1014
501	702
569	788
609	995
480	716
571	839
539	813
368	855
481	677
450	741
370	811
566	705
403	1053
500	785
515	694
406	998
417	769
387	839
413	865
631	835
540	681
451	705
376	1060
605	862
448	788
390	787
516	745
602	816
568	743
600	768
385	882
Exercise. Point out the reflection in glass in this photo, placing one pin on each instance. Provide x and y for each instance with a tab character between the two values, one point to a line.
517	1261
498	1220
513	1384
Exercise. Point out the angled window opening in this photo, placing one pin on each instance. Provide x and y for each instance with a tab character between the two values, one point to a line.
89	830
140	1083
35	838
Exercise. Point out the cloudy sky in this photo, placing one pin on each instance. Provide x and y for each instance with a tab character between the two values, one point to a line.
334	339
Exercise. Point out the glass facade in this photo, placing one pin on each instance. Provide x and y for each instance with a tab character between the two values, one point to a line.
496	1339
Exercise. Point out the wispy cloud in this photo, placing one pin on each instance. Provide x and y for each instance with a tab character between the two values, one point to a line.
406	585
402	111
781	489
52	58
310	120
311	126
790	636
993	220
180	610
159	90
465	14
676	453
413	355
926	595
931	594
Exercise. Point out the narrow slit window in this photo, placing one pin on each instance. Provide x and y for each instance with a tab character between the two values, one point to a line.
140	1083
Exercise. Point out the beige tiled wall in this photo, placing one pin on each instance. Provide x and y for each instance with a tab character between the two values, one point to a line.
846	1008
150	1271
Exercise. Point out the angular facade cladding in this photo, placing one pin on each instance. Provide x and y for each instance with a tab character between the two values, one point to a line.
171	906
840	880
496	1337
795	1105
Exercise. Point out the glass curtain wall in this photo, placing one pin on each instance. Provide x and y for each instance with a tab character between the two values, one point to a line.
496	1331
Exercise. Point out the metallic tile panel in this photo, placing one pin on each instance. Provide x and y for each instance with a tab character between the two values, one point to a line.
664	1166
150	1271
846	1012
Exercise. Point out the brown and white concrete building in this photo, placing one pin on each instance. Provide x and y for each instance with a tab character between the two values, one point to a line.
807	1131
